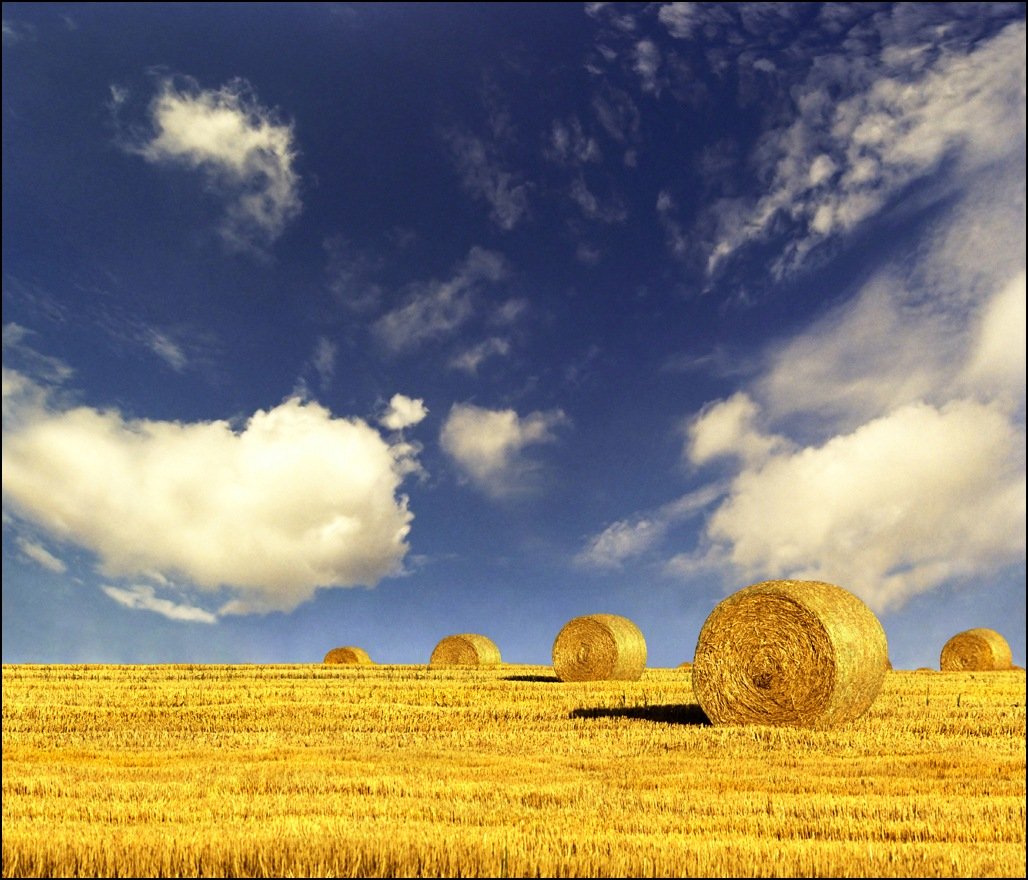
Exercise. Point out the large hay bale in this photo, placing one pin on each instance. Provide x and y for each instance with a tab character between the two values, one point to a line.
465	649
976	650
599	647
799	653
349	654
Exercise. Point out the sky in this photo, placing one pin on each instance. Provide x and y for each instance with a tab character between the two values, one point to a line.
369	324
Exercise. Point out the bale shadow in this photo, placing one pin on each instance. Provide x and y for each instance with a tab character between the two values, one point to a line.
530	678
675	713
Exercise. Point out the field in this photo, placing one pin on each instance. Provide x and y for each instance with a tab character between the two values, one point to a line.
314	770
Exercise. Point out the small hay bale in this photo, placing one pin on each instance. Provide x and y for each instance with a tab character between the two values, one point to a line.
976	650
685	664
599	647
798	653
350	655
465	649
925	670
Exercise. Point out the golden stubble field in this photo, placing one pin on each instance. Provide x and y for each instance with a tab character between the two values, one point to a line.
319	770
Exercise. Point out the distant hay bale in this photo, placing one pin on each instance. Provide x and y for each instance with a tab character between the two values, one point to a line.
976	650
685	664
349	654
465	649
798	653
925	670
599	647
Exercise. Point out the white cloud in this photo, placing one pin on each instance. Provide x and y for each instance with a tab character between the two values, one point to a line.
997	359
246	156
633	537
681	19
570	145
728	428
143	597
647	64
485	178
591	207
166	349
841	160
324	360
294	500
471	359
403	412
905	502
41	556
438	309
488	445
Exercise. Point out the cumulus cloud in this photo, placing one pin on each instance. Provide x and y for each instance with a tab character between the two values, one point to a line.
403	412
488	445
438	309
266	512
40	555
918	497
245	154
728	428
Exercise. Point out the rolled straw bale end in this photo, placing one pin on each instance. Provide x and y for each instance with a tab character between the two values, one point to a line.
976	650
465	649
789	652
349	655
599	647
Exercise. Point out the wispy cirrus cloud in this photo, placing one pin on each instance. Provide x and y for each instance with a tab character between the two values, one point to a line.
484	175
439	308
245	154
841	160
637	535
470	359
144	597
40	555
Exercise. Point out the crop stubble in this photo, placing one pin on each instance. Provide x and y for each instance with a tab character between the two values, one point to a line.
314	770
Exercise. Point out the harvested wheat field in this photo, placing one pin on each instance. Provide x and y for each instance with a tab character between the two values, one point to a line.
412	771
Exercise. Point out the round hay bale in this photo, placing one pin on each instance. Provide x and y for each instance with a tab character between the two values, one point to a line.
599	647
975	650
685	664
925	670
349	654
465	649
798	653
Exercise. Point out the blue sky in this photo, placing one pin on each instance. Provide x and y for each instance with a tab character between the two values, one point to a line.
330	324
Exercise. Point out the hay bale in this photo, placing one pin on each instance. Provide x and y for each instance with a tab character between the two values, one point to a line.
349	654
685	664
465	649
925	670
799	653
599	647
976	650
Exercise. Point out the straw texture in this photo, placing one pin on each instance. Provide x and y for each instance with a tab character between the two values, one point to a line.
599	647
349	654
796	653
976	650
465	649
